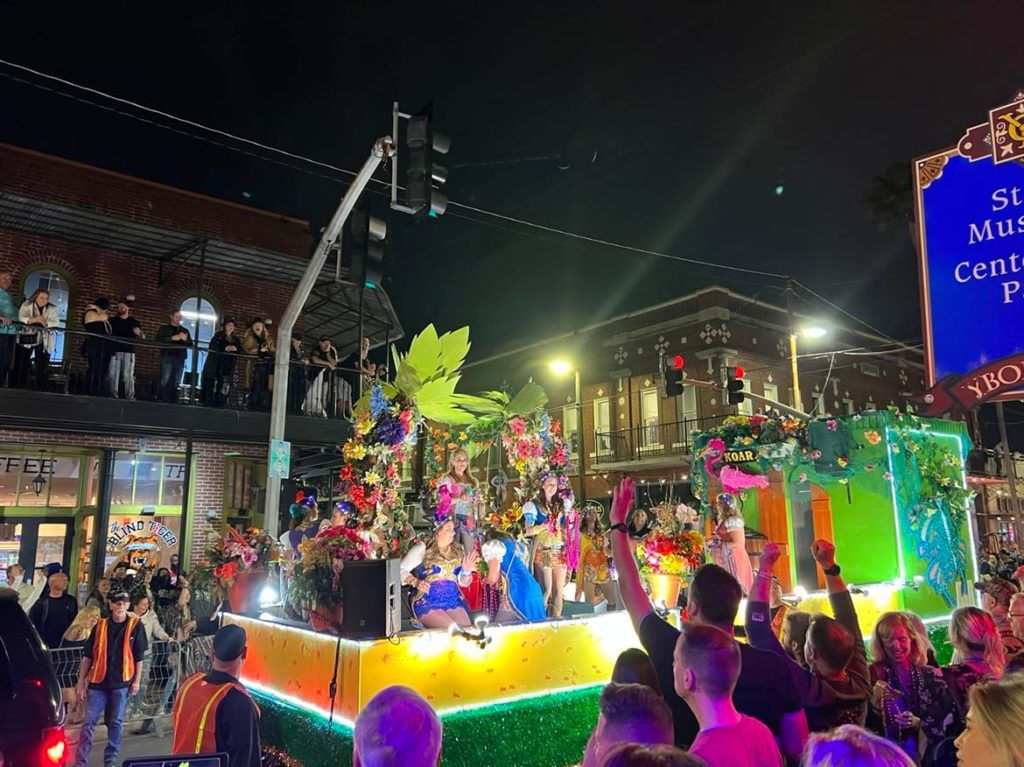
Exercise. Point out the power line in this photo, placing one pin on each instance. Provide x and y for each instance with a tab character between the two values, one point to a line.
329	166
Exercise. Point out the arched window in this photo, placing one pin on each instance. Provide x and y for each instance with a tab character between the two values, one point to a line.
201	320
60	296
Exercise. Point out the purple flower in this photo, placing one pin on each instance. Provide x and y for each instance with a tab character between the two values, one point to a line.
390	430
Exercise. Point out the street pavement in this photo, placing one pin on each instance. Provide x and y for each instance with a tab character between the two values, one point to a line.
132	746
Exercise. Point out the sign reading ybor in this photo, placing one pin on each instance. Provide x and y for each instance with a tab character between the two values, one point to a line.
970	219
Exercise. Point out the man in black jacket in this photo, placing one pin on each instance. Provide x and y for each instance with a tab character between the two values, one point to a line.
54	611
172	359
122	363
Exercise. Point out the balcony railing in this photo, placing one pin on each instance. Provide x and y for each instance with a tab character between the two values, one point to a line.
650	441
95	365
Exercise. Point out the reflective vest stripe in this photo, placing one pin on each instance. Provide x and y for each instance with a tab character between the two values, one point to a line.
99	653
182	693
214	699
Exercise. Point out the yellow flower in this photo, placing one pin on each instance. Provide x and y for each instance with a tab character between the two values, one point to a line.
372	478
354	451
873	437
463	436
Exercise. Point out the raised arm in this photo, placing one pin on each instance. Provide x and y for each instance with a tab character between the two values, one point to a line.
758	619
635	599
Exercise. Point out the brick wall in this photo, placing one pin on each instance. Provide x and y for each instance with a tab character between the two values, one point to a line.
32	174
94	271
208	478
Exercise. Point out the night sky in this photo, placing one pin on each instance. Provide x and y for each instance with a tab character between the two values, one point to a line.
679	120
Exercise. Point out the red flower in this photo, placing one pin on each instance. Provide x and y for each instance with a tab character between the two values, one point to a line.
226	571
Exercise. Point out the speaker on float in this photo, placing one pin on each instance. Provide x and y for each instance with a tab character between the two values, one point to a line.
373	599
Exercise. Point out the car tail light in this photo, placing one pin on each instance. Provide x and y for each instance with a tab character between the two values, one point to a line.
55	747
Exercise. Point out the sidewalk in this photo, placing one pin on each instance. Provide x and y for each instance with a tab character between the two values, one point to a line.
132	746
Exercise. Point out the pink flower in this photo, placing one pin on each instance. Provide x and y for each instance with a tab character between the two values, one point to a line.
831	424
803	477
888	475
517	426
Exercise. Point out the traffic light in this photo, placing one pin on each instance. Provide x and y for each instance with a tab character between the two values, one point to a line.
424	177
674	376
734	385
369	236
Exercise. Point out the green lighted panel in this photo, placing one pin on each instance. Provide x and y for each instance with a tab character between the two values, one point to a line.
870	531
546	731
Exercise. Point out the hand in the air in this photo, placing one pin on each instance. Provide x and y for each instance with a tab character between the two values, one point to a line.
622	501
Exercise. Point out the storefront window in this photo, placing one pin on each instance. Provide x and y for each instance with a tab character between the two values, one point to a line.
8	485
147	480
50	543
92	483
123	487
64	482
10	544
174	482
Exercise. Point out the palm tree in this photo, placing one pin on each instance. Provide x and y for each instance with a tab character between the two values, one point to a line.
890	199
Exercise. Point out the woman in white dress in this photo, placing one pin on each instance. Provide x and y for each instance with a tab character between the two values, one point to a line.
729	542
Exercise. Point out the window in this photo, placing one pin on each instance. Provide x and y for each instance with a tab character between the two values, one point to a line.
687	412
59	480
649	417
60	296
570	428
201	320
603	425
870	369
819	405
771	391
849	406
147	479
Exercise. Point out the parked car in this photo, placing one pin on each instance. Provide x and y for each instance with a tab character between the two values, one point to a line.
31	710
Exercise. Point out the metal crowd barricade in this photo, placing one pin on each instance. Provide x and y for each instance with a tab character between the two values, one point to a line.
162	674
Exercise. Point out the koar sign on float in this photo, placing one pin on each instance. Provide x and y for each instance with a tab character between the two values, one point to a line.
970	224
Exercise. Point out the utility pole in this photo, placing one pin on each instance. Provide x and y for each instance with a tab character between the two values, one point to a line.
1010	464
798	401
382	148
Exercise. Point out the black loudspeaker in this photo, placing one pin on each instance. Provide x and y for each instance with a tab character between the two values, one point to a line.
373	599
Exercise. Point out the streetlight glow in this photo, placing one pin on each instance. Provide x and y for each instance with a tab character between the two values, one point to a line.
813	331
560	367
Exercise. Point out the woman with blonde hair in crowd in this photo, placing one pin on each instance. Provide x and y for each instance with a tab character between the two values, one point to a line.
909	699
922	632
979	656
70	658
852	746
995	724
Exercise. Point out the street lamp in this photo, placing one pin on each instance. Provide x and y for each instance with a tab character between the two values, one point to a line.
562	367
809	331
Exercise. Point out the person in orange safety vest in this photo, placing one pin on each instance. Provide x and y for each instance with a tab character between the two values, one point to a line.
213	712
111	670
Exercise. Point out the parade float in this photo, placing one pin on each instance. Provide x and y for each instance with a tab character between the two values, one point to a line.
888	488
523	694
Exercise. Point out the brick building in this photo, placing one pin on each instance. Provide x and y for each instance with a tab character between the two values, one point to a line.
144	472
629	425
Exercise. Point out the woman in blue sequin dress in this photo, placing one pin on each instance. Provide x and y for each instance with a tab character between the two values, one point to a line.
437	570
519	594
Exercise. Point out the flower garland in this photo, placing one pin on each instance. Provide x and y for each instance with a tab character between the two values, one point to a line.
371	477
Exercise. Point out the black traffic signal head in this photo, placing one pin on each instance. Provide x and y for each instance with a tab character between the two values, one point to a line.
369	237
734	385
674	376
424	176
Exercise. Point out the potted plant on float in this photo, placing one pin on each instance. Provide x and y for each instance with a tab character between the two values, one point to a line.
666	556
315	585
239	563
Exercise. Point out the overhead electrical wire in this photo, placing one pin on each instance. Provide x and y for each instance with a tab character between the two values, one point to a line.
351	174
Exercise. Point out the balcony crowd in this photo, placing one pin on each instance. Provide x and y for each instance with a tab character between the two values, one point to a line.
236	366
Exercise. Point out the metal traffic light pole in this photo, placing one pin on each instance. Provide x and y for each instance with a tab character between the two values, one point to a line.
382	148
757	397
